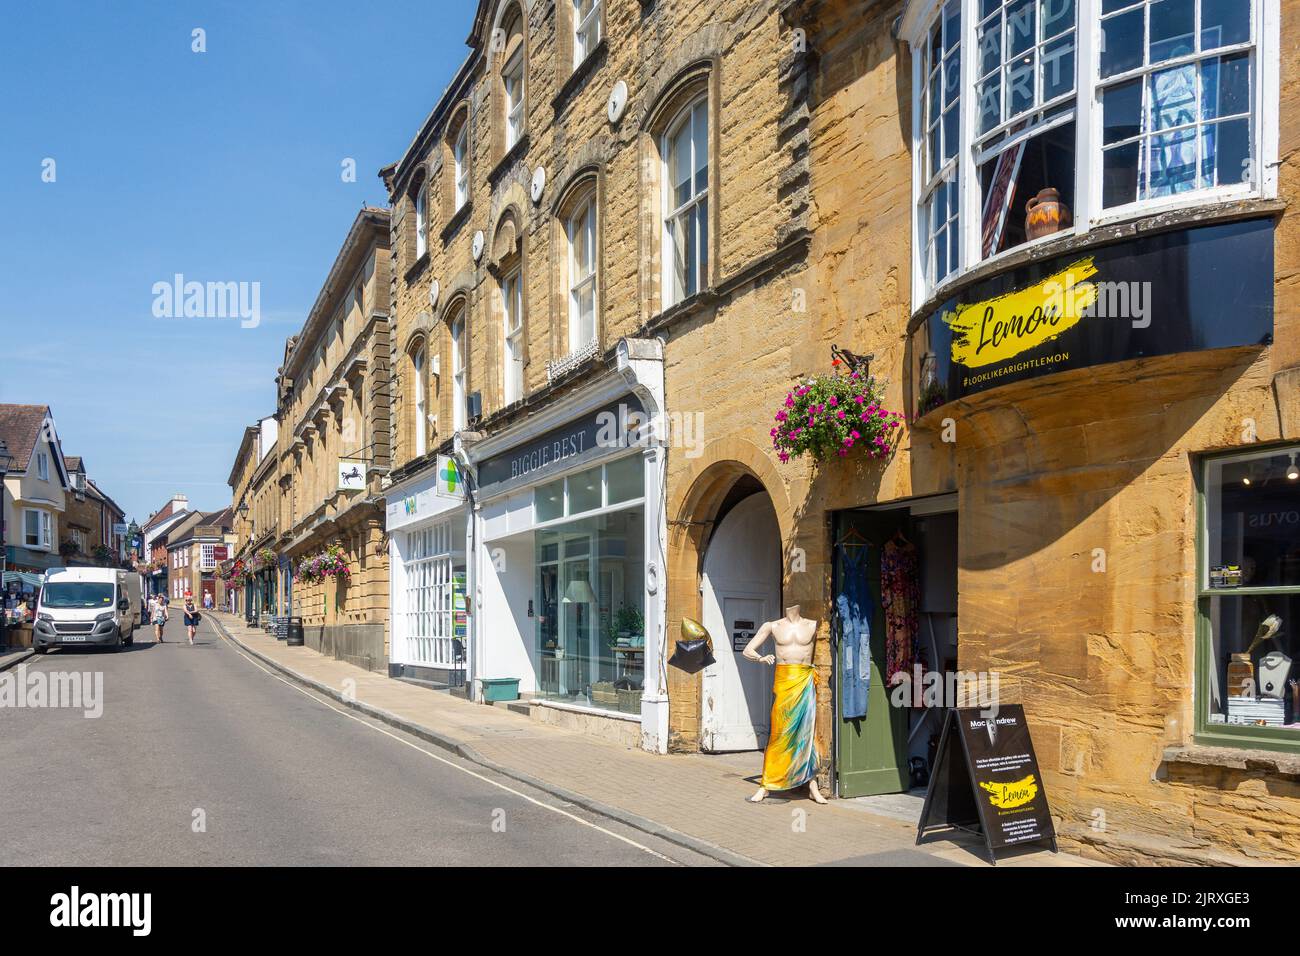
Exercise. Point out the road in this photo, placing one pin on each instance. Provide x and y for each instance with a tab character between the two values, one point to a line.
203	756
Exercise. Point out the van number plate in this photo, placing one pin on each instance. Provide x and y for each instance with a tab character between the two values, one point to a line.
71	638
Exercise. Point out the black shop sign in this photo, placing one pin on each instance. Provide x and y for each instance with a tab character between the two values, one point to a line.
1206	287
986	781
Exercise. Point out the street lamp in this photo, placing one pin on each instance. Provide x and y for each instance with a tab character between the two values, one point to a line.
6	462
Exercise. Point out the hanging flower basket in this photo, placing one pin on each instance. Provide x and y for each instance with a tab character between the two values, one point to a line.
835	415
329	563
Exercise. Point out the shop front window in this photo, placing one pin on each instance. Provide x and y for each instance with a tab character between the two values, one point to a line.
590	611
590	587
1250	596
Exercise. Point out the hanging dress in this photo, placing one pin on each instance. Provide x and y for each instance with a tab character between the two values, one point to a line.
899	596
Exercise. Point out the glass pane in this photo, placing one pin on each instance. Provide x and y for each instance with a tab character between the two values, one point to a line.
1252	510
952	78
1020	86
548	501
940	254
1022	26
1110	6
584	491
1058	67
1119	175
680	165
677	230
952	24
1057	17
625	479
1173	27
1253	641
934	151
1121	43
700	136
1225	86
1173	97
1121	111
1224	22
1173	163
935	93
990	93
990	47
951	127
1227	144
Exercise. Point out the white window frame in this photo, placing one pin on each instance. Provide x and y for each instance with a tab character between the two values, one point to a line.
458	396
697	200
587	30
207	561
1088	213
460	157
421	223
512	322
512	74
43	466
44	534
428	611
583	277
418	361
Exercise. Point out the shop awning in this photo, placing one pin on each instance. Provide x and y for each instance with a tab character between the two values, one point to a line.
25	579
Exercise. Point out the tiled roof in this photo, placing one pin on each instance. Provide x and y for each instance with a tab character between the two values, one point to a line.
20	427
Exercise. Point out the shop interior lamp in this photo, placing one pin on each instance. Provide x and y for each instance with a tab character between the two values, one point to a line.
579	592
1292	472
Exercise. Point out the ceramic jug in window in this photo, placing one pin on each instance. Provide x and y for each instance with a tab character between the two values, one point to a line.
1046	214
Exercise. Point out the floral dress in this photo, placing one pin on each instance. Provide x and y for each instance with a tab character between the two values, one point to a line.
899	597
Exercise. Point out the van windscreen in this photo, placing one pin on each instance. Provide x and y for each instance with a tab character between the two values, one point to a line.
77	594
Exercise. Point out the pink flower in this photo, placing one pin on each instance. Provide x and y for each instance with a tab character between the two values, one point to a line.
834	401
840	414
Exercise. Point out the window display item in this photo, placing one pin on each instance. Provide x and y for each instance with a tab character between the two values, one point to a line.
1274	668
1257	711
1046	214
1225	576
1241	672
694	650
791	759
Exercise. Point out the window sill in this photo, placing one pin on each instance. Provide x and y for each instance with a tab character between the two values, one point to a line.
687	307
1275	763
1148	222
455	222
578	78
417	268
512	155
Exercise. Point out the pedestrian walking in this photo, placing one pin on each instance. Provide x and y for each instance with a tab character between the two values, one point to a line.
207	600
162	599
159	617
192	618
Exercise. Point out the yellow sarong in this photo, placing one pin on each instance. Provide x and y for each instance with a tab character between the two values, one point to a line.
791	757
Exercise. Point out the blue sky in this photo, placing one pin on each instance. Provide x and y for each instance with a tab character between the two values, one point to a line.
224	166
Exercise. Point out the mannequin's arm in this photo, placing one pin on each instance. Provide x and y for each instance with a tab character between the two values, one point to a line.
750	652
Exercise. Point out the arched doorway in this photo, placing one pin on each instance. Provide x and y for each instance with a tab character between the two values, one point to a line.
740	589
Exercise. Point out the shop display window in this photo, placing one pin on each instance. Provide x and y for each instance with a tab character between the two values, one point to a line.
590	611
1250	593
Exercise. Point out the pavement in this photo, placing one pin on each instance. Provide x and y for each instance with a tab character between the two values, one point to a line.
695	802
203	755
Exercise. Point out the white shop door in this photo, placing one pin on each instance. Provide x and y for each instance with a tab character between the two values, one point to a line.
741	590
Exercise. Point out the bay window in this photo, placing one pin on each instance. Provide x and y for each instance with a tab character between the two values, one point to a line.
1064	114
37	531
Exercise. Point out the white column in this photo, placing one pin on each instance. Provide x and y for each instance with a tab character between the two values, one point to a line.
654	696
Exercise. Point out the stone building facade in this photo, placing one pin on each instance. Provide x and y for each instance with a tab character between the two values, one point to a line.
333	451
252	566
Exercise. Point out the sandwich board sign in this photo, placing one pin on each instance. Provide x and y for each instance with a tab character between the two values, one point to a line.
986	781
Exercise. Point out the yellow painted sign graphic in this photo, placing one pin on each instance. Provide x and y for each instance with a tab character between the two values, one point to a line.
996	330
1006	796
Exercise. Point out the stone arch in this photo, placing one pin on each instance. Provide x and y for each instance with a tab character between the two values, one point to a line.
694	506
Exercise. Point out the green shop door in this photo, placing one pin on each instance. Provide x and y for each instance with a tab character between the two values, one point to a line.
871	752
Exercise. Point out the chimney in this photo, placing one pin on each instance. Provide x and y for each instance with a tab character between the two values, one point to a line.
180	503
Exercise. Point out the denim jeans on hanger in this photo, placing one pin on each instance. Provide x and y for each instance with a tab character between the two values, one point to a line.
854	606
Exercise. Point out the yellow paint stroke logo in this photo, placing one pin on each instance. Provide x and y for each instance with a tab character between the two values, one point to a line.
1006	796
995	330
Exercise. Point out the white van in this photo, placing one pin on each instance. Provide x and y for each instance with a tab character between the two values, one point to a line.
86	607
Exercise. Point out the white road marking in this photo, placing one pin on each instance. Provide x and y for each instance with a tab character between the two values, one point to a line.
455	766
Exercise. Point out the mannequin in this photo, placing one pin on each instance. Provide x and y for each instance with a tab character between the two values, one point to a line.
791	758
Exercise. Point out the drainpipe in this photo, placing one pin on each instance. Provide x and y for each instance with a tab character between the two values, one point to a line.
460	446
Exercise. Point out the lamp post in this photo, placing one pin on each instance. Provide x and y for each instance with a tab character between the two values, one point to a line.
6	462
247	584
